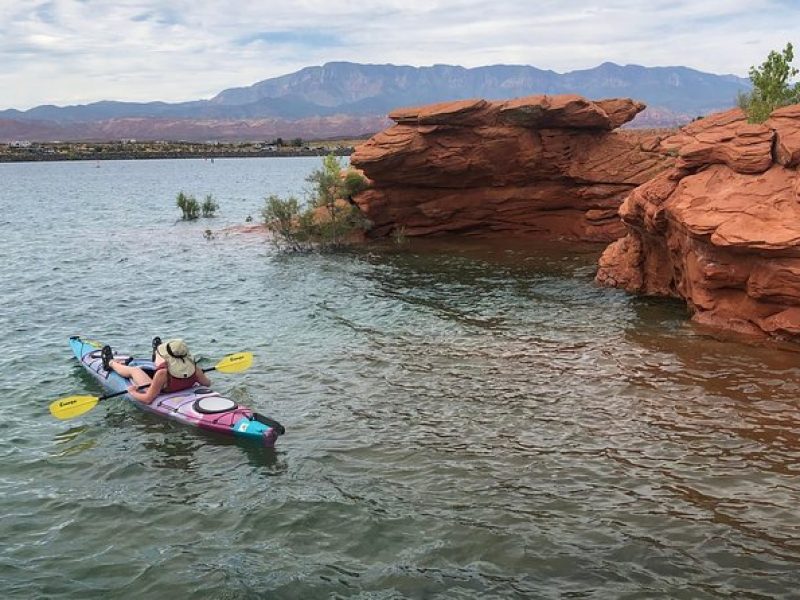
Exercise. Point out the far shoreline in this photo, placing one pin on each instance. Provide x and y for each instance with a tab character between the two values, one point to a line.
71	151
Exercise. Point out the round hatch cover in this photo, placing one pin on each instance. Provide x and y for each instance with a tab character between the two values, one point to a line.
214	404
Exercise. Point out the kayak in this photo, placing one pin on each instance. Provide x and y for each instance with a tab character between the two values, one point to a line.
198	406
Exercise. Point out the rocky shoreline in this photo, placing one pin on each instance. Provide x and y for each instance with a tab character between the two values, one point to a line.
720	229
710	214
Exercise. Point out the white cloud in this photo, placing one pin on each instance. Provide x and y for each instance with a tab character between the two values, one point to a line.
71	51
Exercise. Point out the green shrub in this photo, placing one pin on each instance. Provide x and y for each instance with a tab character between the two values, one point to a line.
189	206
772	87
209	206
327	221
354	183
282	218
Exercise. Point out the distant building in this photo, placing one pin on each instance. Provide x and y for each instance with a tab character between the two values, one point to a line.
20	144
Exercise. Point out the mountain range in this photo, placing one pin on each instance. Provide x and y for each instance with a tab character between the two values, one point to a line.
351	99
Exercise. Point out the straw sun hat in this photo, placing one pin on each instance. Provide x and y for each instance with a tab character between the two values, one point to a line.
175	353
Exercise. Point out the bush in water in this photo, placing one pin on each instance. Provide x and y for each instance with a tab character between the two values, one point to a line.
328	220
209	206
189	206
283	219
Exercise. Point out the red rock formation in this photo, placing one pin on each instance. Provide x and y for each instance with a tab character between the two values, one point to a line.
549	165
722	228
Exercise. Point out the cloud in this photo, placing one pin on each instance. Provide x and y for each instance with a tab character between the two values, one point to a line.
71	51
298	37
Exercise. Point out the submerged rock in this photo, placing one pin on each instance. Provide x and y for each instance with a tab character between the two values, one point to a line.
545	165
721	229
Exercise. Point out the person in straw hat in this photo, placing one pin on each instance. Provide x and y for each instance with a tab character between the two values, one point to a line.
175	370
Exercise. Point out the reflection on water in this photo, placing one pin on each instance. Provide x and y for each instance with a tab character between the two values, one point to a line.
463	420
173	452
72	441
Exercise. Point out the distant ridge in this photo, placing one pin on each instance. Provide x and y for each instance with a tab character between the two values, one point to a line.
343	98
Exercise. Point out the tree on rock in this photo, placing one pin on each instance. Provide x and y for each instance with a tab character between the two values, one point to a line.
772	86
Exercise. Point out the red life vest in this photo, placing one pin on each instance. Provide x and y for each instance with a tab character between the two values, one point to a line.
174	384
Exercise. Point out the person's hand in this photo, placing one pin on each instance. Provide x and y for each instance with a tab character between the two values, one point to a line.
132	388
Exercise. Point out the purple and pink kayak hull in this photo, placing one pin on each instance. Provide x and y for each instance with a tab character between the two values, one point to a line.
188	406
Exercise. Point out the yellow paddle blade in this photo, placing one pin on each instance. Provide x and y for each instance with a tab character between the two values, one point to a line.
235	363
72	406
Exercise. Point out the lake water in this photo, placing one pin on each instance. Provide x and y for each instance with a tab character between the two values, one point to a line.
462	421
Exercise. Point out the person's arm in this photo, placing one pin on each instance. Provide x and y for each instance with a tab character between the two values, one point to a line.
148	395
201	377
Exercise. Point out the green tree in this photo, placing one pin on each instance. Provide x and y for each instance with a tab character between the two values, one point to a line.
772	86
327	182
328	188
327	218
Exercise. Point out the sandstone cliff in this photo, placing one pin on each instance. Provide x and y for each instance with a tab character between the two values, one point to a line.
721	229
545	165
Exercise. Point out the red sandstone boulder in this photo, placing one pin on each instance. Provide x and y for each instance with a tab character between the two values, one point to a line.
464	113
550	165
721	229
726	139
568	112
786	124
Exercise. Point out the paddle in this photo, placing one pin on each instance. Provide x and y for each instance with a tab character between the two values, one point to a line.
73	406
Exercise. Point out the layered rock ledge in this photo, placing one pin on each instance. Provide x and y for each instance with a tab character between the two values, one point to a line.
721	229
552	166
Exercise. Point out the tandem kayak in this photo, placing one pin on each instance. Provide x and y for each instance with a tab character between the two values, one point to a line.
198	406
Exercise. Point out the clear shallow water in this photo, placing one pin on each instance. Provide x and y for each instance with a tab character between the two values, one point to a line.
462	421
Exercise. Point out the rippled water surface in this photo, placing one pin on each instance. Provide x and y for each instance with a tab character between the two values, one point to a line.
462	421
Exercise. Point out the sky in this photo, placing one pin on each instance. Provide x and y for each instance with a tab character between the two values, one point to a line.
78	51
